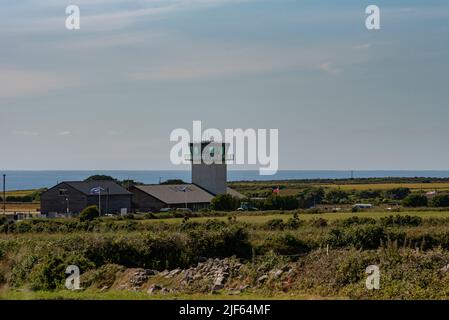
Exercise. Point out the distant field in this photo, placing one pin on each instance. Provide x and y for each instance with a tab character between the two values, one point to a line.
443	186
18	193
22	207
293	188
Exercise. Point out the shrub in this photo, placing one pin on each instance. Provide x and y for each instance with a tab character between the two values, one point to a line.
368	194
310	197
355	221
285	244
397	193
275	224
276	202
401	221
415	200
293	223
225	202
361	236
89	213
336	196
318	222
440	201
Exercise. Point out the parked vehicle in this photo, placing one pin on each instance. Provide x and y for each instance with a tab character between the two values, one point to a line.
362	206
246	207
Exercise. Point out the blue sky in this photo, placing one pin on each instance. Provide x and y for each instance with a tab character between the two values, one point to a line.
108	96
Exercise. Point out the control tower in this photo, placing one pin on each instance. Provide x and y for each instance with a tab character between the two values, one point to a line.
209	169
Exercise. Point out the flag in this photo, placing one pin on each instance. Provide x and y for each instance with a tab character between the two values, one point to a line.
96	190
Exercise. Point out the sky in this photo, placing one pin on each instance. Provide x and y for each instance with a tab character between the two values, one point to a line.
107	96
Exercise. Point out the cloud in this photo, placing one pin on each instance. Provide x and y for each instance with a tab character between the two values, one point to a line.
25	133
63	133
16	82
110	15
329	68
363	46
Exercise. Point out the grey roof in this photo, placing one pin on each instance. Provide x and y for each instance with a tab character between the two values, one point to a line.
234	193
174	193
108	187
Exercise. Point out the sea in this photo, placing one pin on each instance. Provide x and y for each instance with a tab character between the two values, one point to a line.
25	180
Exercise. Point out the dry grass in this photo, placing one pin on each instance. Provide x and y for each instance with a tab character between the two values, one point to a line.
20	207
443	186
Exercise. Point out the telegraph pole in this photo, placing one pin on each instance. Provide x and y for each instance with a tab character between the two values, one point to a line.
4	193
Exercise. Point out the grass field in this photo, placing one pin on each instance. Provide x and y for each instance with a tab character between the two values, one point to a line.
131	295
18	193
331	216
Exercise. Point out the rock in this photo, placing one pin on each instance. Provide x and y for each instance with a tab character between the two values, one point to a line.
243	287
277	274
153	288
165	290
150	272
173	273
164	273
445	268
217	287
262	278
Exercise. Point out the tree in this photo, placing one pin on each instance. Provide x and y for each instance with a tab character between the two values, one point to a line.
310	197
397	193
99	177
368	194
224	202
440	201
173	181
89	213
276	202
335	196
415	200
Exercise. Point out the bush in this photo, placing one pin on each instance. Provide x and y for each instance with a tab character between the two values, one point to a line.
19	198
440	201
415	200
368	194
397	193
276	202
310	197
285	244
89	213
355	221
398	220
275	224
225	202
364	236
336	196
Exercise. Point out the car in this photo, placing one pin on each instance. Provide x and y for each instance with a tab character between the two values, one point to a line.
246	207
166	210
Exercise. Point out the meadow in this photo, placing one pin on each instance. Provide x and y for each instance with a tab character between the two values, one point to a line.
326	255
308	253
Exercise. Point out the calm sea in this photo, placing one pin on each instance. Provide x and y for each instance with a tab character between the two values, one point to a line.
21	180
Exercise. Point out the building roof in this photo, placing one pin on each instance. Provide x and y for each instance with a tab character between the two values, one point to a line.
107	187
234	193
177	193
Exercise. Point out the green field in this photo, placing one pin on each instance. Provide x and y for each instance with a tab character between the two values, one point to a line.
331	216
